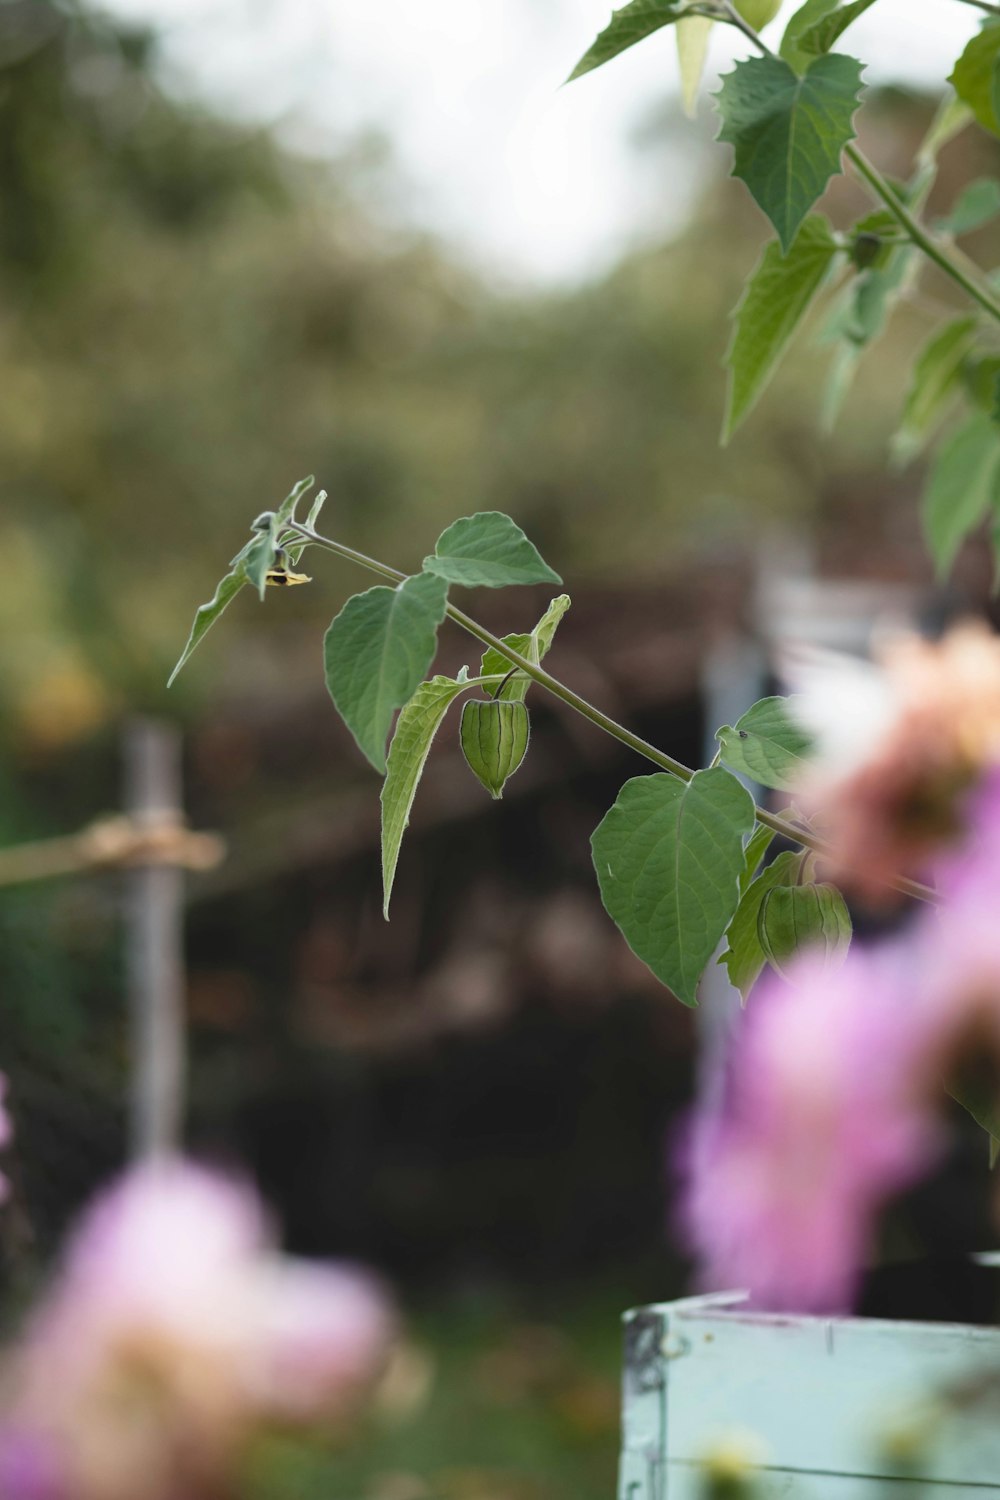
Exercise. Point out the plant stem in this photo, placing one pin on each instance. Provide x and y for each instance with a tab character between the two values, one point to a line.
619	732
986	5
968	280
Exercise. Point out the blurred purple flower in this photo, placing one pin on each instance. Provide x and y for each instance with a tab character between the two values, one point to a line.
824	1116
173	1332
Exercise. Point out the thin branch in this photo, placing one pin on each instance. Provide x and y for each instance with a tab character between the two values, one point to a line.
659	758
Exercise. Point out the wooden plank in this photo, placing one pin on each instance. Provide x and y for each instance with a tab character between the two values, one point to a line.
819	1395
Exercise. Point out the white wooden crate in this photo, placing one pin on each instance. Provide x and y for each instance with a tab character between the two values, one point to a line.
820	1397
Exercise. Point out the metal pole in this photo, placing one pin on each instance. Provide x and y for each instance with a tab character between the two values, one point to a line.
155	944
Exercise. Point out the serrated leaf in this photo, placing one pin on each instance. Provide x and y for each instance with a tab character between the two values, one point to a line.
974	76
962	486
757	846
668	857
376	653
631	24
767	744
976	205
207	614
788	131
487	550
794	918
416	727
824	32
774	302
804	19
744	957
534	646
693	34
934	377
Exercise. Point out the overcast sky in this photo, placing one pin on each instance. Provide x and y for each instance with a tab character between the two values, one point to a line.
538	183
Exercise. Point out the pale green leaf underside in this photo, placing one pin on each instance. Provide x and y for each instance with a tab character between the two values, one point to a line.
668	857
416	727
250	565
533	646
693	33
933	379
767	744
773	304
744	957
376	653
794	919
631	24
977	204
963	484
487	550
207	614
974	76
787	131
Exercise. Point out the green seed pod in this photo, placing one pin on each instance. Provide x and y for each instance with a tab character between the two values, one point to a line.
793	917
494	740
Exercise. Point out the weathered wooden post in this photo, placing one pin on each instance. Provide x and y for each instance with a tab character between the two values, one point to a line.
155	937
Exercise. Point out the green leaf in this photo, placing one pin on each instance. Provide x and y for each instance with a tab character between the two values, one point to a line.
952	116
805	18
975	1089
693	33
668	857
416	727
631	24
766	744
757	846
935	377
826	31
533	646
974	76
976	205
788	132
286	510
207	614
487	551
260	558
744	957
773	304
794	918
962	486
315	509
377	651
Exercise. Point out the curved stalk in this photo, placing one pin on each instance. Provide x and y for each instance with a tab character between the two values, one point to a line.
659	758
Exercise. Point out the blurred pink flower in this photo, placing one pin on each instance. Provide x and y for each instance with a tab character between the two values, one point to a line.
824	1118
836	1086
174	1331
899	747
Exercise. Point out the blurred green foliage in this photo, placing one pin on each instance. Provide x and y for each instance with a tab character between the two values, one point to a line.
192	317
